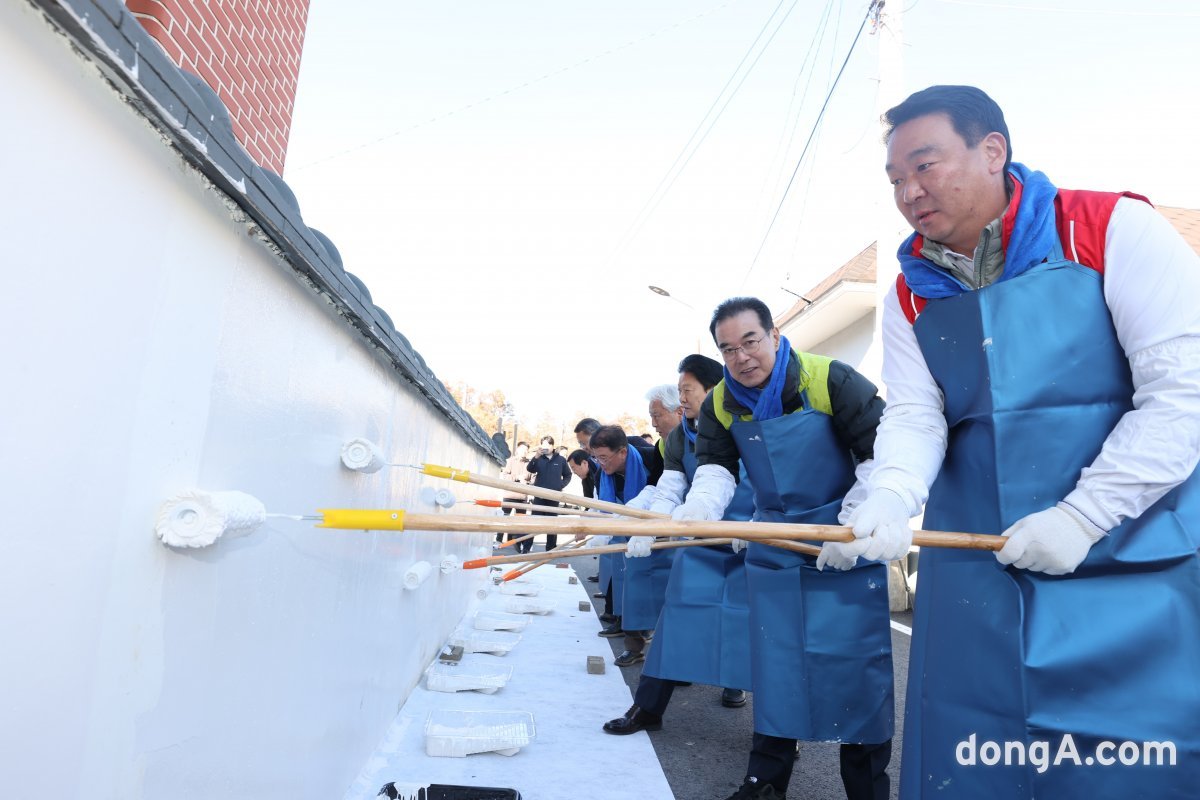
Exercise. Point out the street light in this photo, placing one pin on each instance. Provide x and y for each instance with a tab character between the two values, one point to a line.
658	290
700	341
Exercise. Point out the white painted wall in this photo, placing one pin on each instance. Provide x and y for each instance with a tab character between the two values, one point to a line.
850	345
150	346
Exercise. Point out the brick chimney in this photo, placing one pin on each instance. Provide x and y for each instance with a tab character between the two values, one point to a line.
248	51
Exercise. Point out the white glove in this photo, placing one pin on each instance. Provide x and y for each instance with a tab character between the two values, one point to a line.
1054	541
738	545
672	487
712	490
644	499
858	492
638	547
841	555
882	520
598	541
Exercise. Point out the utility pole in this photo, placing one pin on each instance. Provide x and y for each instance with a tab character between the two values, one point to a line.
889	34
887	28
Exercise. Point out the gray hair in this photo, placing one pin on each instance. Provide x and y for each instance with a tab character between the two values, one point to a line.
667	394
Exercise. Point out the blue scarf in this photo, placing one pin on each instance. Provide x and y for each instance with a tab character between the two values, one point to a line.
635	478
688	433
1033	236
764	403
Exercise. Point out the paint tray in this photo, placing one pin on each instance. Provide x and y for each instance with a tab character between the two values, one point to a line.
500	621
521	586
469	676
528	605
457	734
495	642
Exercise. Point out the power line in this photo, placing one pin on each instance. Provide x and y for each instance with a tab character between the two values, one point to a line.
703	128
811	135
554	73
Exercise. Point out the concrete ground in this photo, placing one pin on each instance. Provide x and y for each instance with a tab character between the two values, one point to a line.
703	747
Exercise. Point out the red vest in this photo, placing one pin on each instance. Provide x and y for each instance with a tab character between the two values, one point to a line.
1082	221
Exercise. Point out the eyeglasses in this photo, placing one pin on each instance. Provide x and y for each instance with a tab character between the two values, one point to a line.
749	347
604	459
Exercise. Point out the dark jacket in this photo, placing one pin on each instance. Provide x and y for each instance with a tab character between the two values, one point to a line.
856	405
550	472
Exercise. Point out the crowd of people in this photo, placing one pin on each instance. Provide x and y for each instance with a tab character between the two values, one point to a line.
1042	365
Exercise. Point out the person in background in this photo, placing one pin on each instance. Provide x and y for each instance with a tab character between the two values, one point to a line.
585	470
665	413
516	469
549	470
702	633
626	470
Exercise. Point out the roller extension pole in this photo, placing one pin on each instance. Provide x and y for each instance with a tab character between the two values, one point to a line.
748	531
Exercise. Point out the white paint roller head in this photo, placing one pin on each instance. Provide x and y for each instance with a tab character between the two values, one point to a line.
417	574
197	519
362	455
445	498
450	564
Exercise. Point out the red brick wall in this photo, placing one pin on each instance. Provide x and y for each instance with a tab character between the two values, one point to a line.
249	53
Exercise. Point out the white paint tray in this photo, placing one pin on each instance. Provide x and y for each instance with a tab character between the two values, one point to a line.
497	642
521	586
500	621
528	605
467	676
457	734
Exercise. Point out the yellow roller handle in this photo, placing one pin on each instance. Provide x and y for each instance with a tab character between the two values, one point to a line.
362	519
449	473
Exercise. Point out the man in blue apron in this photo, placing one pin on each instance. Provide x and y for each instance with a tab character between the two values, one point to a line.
1042	359
702	632
626	469
820	642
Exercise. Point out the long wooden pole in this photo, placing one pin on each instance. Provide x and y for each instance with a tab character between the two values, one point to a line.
749	531
515	542
549	494
449	473
556	510
550	555
539	560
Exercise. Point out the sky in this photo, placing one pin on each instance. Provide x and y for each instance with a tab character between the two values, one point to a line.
508	179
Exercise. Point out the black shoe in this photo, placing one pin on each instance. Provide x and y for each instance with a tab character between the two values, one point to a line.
594	578
608	619
753	790
733	698
635	720
613	630
628	658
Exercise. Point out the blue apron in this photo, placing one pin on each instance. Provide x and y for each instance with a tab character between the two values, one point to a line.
638	584
1034	380
703	633
644	589
821	647
612	568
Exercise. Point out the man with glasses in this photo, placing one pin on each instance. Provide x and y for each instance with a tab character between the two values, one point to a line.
637	589
801	425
